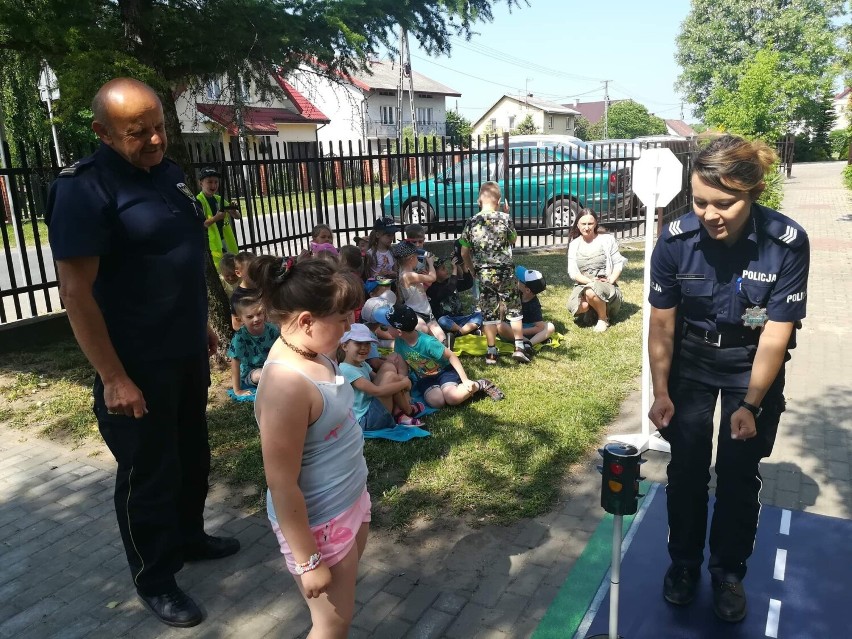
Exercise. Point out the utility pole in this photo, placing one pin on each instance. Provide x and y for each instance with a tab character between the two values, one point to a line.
399	88
606	107
681	110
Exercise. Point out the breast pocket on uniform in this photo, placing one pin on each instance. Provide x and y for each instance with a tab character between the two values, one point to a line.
697	297
754	293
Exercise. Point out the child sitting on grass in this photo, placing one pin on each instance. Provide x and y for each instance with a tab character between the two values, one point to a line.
445	301
250	346
381	398
412	287
228	273
374	315
535	329
441	378
245	288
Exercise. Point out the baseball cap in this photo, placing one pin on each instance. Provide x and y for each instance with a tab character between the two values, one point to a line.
401	250
358	333
533	280
376	310
386	225
402	317
209	171
373	283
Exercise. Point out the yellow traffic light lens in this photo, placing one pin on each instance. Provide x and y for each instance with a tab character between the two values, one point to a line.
615	486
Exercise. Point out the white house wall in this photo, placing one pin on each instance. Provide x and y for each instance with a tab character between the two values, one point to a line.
506	108
341	103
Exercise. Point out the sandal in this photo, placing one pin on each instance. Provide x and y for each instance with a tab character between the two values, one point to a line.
404	420
490	388
417	408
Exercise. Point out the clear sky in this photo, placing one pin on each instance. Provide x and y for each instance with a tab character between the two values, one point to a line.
560	50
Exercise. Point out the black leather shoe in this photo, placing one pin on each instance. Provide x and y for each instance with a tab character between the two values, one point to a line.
729	600
174	608
211	548
681	584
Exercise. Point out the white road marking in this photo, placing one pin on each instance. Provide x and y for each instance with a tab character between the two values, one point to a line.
780	564
785	522
772	618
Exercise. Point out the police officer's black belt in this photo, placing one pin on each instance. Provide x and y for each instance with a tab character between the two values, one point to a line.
725	339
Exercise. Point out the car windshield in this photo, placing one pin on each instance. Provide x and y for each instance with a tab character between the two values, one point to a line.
477	168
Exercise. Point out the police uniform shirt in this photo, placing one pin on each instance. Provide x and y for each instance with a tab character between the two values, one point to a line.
149	235
714	284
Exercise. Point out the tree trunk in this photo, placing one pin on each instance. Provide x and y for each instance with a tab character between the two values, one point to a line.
219	309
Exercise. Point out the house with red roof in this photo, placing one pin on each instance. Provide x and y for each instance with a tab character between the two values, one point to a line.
363	106
287	118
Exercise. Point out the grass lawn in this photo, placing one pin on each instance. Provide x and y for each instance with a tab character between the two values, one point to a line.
29	235
485	461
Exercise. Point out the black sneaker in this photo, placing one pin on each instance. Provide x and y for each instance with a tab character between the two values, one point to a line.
680	584
520	356
528	348
729	600
174	608
211	547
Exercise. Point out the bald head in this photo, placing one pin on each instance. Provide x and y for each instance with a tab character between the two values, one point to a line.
128	117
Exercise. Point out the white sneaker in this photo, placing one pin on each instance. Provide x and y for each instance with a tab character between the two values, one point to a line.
601	326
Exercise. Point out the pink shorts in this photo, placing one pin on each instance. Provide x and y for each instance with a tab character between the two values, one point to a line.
335	537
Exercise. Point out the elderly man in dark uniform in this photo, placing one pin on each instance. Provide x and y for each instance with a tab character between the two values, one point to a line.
129	244
728	287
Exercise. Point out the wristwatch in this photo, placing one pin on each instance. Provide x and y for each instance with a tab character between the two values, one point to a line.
754	410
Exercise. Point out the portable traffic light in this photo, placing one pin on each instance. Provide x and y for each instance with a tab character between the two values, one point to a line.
620	478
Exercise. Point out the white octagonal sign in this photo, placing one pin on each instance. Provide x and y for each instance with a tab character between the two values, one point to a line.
657	177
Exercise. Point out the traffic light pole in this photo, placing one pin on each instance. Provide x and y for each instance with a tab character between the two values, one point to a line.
614	578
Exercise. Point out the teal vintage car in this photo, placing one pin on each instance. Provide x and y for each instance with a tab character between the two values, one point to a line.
550	178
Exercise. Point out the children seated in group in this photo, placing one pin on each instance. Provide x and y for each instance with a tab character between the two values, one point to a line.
382	399
250	345
374	315
446	303
411	286
245	287
486	242
380	260
415	235
441	378
353	260
535	330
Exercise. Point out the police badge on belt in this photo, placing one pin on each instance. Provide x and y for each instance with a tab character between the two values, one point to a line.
754	317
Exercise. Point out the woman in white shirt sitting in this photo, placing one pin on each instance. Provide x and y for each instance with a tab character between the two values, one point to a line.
595	264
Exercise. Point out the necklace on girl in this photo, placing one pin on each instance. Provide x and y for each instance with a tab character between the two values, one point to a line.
303	352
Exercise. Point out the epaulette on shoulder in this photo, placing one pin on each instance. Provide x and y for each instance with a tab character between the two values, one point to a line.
783	230
76	168
684	225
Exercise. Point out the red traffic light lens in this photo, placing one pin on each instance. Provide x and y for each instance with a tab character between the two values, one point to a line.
615	468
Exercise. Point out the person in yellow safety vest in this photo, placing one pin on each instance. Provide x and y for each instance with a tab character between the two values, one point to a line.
218	216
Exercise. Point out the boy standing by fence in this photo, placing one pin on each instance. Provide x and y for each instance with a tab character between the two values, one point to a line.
486	243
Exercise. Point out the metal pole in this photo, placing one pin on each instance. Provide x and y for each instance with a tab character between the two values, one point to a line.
53	129
615	575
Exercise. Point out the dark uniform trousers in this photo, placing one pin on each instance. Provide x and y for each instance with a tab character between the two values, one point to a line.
700	373
163	463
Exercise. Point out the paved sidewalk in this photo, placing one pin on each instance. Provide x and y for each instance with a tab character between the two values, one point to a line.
63	573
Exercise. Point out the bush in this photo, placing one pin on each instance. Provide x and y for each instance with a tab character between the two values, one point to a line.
839	142
847	177
809	150
774	191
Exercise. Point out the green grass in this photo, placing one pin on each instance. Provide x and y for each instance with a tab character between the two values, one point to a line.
486	462
847	176
29	234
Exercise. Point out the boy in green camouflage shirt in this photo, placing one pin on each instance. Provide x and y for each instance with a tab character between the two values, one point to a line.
486	243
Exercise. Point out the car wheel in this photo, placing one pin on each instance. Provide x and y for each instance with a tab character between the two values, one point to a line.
560	215
418	212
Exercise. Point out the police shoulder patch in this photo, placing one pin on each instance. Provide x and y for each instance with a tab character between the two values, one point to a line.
74	169
784	230
683	225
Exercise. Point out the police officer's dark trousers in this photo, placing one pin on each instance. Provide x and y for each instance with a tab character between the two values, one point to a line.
700	372
163	463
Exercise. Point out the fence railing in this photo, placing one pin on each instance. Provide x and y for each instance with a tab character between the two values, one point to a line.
285	189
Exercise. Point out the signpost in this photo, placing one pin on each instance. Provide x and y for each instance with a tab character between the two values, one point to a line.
48	91
657	178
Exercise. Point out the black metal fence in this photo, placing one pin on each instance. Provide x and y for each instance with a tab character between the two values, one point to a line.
285	189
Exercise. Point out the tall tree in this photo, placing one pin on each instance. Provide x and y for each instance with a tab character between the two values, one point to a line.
718	36
525	127
458	128
627	119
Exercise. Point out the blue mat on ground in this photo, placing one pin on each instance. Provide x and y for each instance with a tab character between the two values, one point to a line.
398	433
797	584
240	398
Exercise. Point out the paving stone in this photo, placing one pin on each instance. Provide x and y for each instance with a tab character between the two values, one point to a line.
392	626
450	602
30	616
370	581
399	586
469	620
416	602
375	610
527	582
431	625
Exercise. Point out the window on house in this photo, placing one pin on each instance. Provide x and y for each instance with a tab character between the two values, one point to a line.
424	115
213	89
550	123
511	121
492	124
567	124
387	113
428	96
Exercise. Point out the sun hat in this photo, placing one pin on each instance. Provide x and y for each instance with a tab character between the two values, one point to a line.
358	333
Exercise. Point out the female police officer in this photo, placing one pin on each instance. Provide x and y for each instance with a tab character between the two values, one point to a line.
728	285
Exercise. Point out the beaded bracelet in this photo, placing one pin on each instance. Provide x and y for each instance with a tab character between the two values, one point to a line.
312	563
